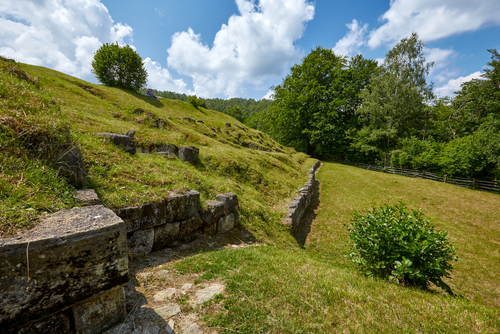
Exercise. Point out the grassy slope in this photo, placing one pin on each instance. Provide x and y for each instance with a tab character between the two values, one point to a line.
264	181
289	290
277	289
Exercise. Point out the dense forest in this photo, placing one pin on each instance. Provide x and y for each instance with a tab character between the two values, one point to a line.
340	108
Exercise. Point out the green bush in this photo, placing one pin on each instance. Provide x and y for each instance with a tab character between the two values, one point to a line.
400	246
119	66
197	102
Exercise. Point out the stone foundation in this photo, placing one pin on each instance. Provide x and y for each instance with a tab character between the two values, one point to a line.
67	274
154	226
71	257
301	202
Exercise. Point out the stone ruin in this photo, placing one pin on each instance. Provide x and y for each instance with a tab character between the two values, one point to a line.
68	274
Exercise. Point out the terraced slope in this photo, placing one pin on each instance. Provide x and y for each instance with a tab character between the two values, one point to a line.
45	113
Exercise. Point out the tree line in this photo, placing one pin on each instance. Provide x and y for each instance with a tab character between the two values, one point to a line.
341	108
334	107
247	111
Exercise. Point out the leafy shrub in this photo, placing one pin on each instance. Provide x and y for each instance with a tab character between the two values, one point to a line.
119	66
197	102
400	246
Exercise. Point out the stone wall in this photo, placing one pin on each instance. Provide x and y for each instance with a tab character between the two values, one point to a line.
66	274
177	217
300	203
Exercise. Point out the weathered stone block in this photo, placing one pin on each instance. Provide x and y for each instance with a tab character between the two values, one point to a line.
181	206
131	216
99	314
73	255
86	197
213	212
57	324
141	241
236	218
165	234
226	223
189	226
70	166
228	125
123	141
170	150
153	214
230	201
189	153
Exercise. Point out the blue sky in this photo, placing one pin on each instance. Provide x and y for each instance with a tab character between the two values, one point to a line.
240	48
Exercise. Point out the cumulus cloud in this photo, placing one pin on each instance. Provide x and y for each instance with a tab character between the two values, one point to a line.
160	78
440	57
269	95
253	46
349	45
59	34
433	19
454	85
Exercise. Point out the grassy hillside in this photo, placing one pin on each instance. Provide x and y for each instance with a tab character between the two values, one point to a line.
278	287
45	112
317	290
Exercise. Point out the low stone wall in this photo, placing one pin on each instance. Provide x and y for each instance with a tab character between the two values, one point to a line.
67	274
177	217
301	202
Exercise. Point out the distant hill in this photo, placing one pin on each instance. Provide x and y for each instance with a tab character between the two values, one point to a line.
247	111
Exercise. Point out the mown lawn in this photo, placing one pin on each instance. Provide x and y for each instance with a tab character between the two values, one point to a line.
288	289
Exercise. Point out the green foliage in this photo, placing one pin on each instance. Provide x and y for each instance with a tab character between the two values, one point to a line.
248	111
400	246
480	97
119	66
315	105
197	102
393	105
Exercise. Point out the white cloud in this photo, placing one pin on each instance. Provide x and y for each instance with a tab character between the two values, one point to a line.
454	85
58	34
440	57
253	46
349	45
160	78
433	19
269	95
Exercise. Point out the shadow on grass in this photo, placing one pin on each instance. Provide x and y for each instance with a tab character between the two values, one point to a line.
308	217
145	317
148	99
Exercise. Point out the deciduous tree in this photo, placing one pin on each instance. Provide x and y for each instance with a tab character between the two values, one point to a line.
119	66
393	104
315	104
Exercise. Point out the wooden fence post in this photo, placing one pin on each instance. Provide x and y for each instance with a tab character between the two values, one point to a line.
445	177
475	184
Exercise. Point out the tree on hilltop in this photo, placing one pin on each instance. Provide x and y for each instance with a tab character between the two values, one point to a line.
119	66
314	107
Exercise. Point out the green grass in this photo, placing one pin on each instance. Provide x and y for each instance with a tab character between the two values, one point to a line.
278	288
287	289
43	109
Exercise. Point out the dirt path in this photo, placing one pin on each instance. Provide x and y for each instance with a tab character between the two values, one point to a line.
161	300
